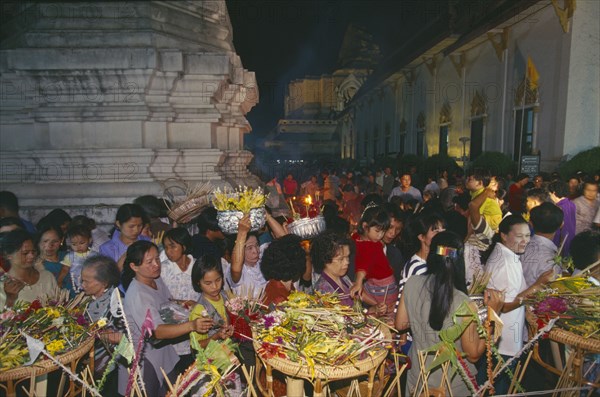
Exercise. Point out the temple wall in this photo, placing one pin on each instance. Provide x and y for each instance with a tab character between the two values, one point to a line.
102	102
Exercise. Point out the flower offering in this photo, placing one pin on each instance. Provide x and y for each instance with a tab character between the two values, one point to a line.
317	331
59	327
233	205
241	199
575	301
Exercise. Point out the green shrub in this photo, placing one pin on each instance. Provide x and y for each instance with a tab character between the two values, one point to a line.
408	160
383	161
587	161
497	163
439	162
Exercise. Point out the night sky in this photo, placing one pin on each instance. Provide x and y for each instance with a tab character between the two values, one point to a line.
284	40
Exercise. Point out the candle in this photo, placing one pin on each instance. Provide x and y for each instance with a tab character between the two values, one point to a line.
292	207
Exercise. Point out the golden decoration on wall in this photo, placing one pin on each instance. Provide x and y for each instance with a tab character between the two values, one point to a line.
565	14
478	105
431	64
402	126
446	114
499	46
421	121
458	64
409	75
531	94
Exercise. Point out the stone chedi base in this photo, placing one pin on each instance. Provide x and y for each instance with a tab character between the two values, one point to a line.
103	102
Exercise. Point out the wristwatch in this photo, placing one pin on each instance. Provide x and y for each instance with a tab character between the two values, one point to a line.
520	301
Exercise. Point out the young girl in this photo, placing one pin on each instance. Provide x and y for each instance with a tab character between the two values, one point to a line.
146	292
48	242
176	272
371	264
80	239
207	279
177	264
420	231
129	223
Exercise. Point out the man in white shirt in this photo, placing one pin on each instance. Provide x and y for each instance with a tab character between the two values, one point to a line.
405	189
541	250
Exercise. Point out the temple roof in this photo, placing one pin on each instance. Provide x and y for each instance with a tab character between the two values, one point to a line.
358	50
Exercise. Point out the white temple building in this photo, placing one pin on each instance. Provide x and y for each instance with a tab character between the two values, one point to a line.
106	101
463	78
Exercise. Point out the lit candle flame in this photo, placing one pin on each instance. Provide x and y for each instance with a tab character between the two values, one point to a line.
308	200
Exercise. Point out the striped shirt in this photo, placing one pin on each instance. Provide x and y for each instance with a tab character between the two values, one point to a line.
415	266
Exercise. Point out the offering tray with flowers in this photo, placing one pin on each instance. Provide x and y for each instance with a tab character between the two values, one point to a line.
243	309
58	329
575	302
307	219
315	338
232	205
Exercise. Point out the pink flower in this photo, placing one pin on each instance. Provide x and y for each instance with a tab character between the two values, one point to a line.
552	304
269	321
81	320
7	315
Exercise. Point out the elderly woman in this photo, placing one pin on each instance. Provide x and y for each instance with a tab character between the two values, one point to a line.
330	255
243	275
23	282
99	277
283	263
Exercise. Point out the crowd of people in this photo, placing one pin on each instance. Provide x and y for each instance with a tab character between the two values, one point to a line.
405	247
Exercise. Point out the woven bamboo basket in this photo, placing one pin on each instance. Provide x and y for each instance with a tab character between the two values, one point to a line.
590	345
301	370
186	211
186	202
45	366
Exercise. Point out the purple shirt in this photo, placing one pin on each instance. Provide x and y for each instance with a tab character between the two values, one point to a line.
115	248
567	231
326	285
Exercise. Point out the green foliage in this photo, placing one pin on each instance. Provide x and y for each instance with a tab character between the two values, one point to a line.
439	162
587	161
497	163
383	161
408	160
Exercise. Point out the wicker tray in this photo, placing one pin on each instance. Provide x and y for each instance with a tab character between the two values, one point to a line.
301	370
568	338
187	210
44	366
